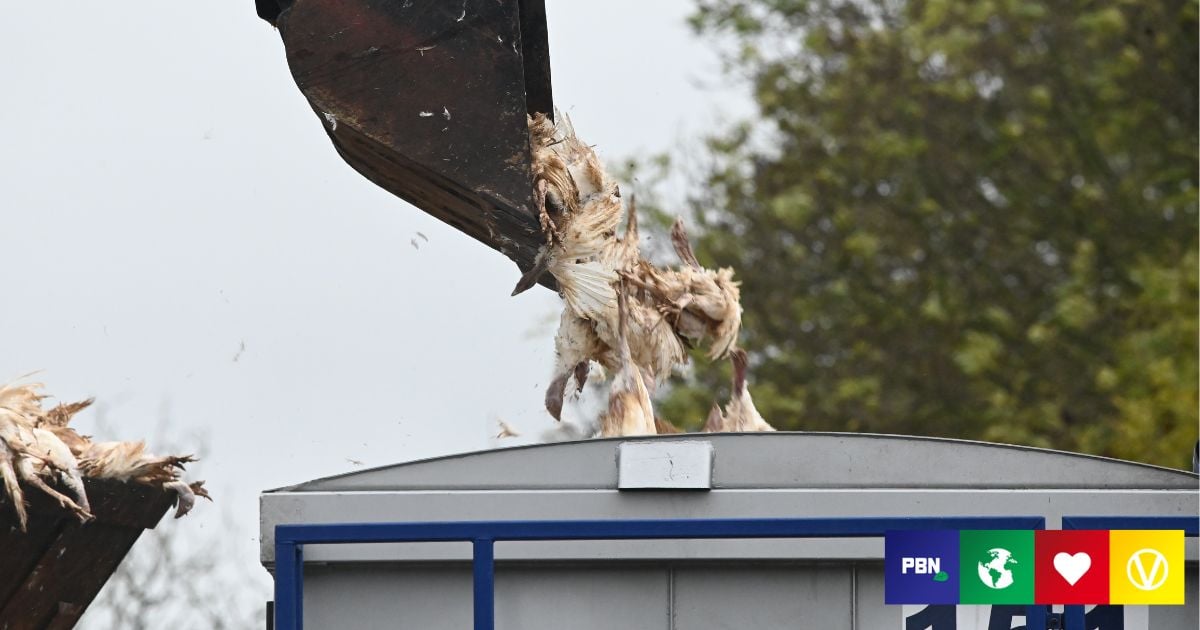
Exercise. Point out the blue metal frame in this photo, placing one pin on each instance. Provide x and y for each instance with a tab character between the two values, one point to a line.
290	541
1074	616
1189	524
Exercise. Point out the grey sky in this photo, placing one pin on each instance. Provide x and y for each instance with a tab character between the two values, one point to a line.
168	195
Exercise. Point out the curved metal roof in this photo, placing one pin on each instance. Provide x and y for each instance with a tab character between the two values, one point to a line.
774	460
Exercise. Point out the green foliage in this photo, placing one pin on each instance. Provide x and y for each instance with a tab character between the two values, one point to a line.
969	219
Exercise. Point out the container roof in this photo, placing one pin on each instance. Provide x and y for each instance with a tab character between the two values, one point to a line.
773	460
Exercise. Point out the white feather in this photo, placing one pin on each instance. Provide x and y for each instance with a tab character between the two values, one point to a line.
587	288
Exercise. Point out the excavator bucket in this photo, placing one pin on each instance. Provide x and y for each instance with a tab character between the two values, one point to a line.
429	99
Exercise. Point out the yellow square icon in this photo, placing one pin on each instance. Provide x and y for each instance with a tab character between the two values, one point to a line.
1145	566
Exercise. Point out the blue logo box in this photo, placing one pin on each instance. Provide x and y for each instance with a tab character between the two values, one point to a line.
920	567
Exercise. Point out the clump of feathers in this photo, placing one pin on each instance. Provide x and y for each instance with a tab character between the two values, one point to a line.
621	312
39	448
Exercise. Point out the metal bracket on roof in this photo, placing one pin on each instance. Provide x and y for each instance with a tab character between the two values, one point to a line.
665	465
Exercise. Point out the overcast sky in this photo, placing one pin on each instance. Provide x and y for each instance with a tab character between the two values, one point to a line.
181	240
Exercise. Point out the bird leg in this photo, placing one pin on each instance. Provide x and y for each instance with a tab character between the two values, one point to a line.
74	483
26	472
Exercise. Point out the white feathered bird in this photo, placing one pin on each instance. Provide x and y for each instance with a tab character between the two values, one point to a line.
580	208
37	446
34	455
701	303
127	462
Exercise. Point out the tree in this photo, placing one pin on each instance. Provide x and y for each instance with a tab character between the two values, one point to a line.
965	219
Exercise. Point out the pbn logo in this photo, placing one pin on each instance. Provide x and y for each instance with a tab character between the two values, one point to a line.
923	565
920	566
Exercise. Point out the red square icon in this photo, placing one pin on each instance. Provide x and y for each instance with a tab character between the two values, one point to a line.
1071	567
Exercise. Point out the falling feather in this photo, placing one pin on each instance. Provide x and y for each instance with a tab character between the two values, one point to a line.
506	430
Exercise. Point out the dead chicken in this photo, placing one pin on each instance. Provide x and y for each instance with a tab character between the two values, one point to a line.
32	454
629	411
740	414
580	209
655	346
124	461
701	303
129	462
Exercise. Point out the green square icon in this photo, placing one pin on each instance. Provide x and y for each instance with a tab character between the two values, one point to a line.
995	566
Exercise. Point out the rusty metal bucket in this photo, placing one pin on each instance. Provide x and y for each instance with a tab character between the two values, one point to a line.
428	99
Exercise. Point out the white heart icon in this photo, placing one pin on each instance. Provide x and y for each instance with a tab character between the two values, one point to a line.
1072	567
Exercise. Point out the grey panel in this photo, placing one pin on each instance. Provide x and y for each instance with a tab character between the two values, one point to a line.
584	598
736	598
352	596
870	613
375	597
775	460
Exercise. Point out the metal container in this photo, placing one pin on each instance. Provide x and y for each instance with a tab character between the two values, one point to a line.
843	480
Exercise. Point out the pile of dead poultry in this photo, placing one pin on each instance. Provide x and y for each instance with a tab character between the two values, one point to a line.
39	448
632	318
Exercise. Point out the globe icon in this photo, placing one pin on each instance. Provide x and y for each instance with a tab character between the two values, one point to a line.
994	572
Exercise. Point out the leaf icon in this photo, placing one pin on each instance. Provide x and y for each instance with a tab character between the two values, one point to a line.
941	576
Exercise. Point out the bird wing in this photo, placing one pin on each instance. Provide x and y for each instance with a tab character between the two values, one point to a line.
587	288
